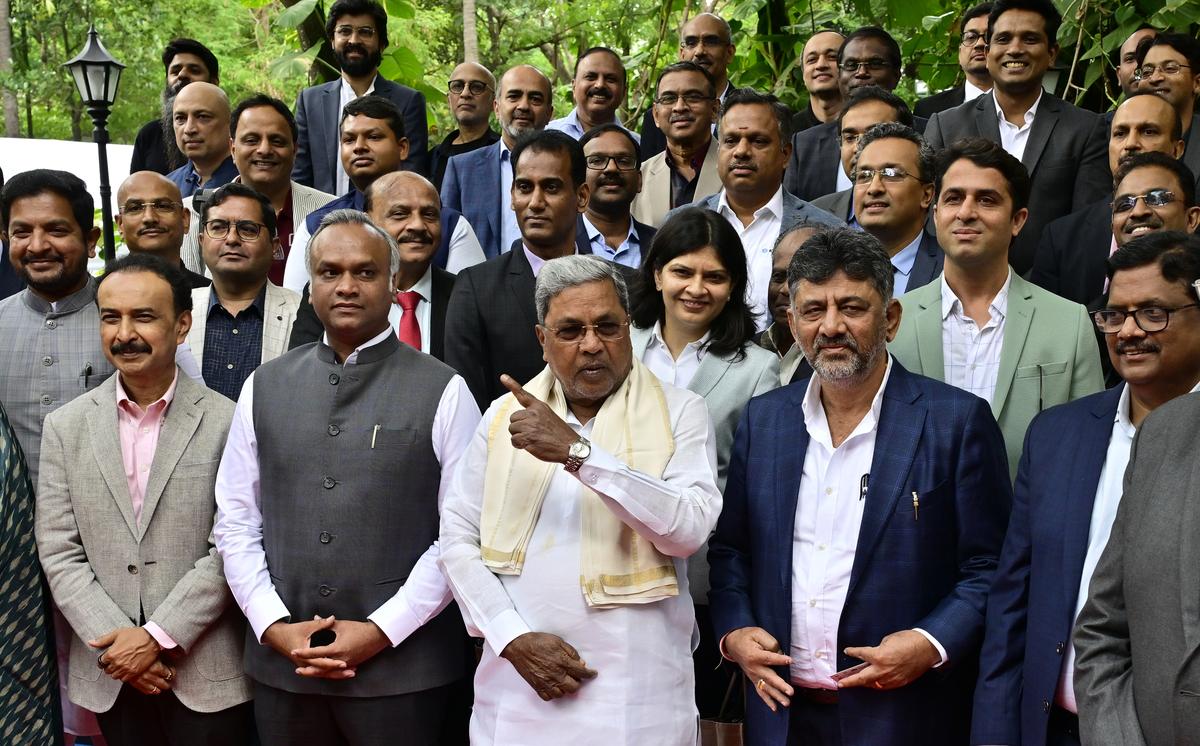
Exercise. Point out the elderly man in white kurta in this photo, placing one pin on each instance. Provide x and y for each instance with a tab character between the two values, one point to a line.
567	528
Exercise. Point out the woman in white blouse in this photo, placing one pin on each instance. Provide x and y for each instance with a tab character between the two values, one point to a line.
692	327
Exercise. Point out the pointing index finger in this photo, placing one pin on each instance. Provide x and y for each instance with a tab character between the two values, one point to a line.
524	398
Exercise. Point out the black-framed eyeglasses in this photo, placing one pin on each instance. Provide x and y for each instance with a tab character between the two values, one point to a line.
247	230
476	87
346	31
708	40
158	207
1152	198
1169	67
1149	319
890	174
691	99
606	331
599	162
971	38
875	64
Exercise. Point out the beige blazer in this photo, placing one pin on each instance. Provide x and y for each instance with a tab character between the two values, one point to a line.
106	570
279	314
654	201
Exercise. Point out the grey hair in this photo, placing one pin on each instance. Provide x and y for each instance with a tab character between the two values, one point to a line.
567	272
857	253
801	224
895	130
348	216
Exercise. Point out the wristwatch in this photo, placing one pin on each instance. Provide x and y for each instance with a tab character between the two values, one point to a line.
577	454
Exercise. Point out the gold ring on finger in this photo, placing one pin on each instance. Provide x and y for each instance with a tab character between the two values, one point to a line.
761	683
154	690
170	675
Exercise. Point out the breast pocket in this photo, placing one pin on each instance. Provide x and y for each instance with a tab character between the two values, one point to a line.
915	504
1042	385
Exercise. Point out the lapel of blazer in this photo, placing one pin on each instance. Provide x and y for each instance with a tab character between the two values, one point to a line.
709	181
639	339
926	267
521	282
330	110
656	190
276	324
712	369
491	174
1021	309
1039	133
443	285
897	437
105	437
929	330
1191	152
1090	445
986	123
790	449
178	426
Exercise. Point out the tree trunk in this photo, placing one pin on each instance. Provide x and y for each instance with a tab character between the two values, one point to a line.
312	31
470	35
12	113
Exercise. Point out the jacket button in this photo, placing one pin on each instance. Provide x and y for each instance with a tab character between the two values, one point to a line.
326	537
45	399
1059	648
325	590
1045	705
334	429
47	360
334	378
328	483
51	323
132	569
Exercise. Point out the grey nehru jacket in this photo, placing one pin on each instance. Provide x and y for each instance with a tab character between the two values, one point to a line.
45	356
348	509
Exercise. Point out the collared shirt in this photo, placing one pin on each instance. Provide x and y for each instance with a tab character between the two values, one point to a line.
789	359
346	94
629	253
138	430
535	262
970	92
1013	138
509	229
1104	512
188	180
970	355
903	263
683	189
424	288
758	240
238	529
843	178
285	228
232	344
677	371
571	125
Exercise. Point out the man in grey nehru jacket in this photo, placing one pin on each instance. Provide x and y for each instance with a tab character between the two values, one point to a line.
327	514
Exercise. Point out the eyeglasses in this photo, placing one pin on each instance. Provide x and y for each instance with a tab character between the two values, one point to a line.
971	38
691	99
247	230
850	138
1150	319
1152	198
1168	68
345	32
606	331
708	40
875	64
476	87
158	207
599	162
890	174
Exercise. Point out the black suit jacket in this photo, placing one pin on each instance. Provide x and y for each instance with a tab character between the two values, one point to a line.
1191	153
816	154
645	234
1073	253
1066	155
307	327
928	264
947	99
318	115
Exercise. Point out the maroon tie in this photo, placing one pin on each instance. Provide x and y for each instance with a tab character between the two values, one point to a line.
410	330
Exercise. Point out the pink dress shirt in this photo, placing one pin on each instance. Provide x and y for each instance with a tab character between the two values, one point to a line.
139	429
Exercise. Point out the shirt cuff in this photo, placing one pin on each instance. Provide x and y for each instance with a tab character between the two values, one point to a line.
160	636
264	611
599	464
397	623
937	645
506	627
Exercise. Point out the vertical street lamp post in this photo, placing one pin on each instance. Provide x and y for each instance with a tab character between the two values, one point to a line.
96	76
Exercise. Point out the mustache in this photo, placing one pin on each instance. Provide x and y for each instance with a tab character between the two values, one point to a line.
842	340
600	93
414	236
607	179
1145	346
1150	221
354	47
132	346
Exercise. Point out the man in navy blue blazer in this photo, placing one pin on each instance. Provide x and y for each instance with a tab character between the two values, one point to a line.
1069	484
863	517
478	184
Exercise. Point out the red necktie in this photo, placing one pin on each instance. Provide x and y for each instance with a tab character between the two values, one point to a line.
410	330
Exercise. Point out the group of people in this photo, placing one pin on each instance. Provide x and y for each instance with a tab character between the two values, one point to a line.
863	425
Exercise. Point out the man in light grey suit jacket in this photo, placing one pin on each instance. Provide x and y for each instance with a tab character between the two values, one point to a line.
125	507
1137	675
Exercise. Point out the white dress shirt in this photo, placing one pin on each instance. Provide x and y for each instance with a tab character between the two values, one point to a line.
239	525
1104	512
669	369
424	288
971	92
644	690
970	355
758	240
509	229
346	94
829	512
843	178
1013	138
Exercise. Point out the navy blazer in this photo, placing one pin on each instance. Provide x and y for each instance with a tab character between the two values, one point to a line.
1031	606
472	185
318	118
930	570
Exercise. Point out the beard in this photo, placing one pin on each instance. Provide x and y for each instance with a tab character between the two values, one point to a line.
855	368
361	66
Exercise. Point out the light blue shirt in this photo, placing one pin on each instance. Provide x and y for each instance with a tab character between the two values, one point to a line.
509	229
903	261
629	253
570	124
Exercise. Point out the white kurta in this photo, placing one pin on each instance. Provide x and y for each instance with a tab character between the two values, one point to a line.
644	689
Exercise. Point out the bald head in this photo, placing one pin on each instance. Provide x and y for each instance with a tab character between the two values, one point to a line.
523	102
707	40
151	215
406	205
472	104
200	116
1144	123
